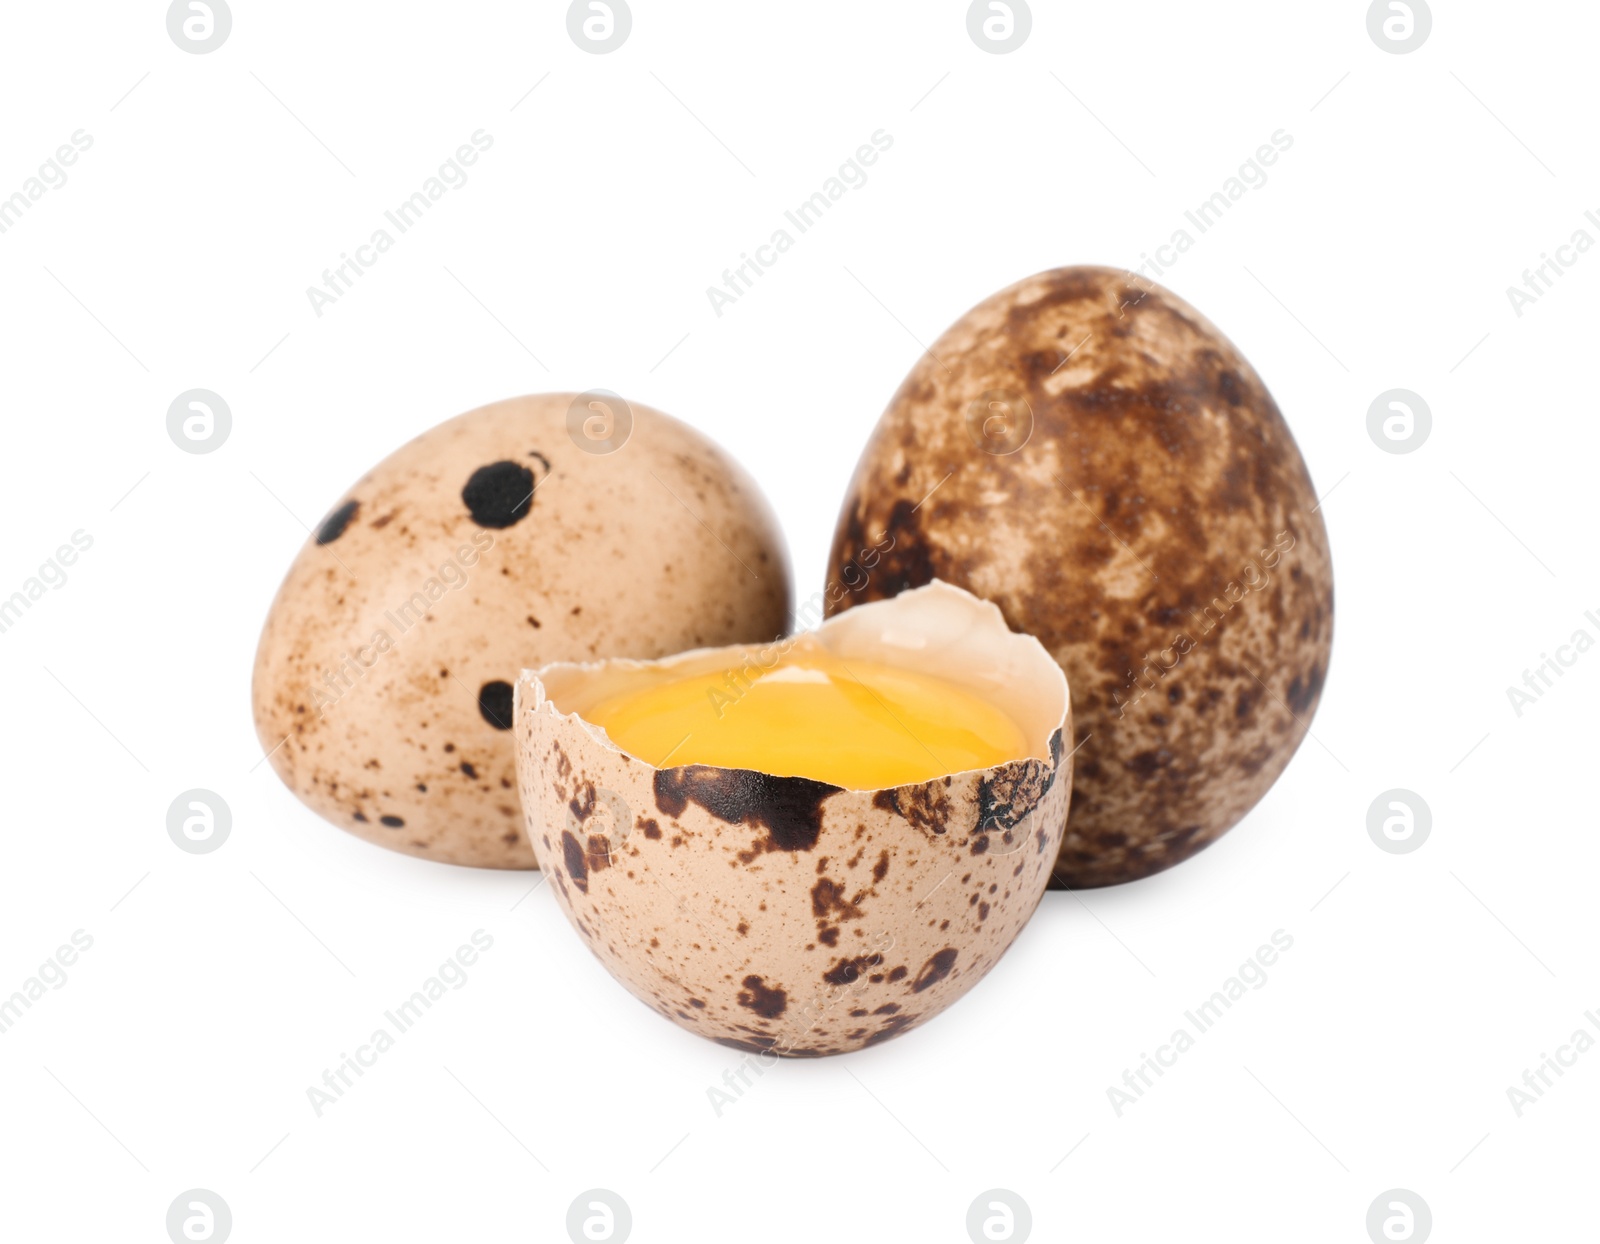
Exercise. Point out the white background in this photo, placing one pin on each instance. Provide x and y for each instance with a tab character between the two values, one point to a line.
1376	256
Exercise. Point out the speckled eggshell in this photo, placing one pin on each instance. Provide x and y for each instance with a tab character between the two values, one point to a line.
1089	452
385	676
782	915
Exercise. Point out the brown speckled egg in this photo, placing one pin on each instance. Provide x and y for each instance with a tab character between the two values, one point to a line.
783	915
1089	452
532	530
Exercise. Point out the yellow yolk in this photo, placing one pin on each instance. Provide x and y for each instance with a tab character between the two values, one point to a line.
851	723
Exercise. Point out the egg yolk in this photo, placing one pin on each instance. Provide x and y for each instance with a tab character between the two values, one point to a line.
852	723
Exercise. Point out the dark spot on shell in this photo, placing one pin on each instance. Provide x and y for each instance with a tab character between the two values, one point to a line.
880	870
756	1045
1303	695
582	804
652	829
598	852
1009	794
393	822
494	703
469	769
788	808
904	557
1253	763
934	970
1147	764
926	807
499	494
767	1003
848	971
893	1028
829	896
897	974
577	865
333	526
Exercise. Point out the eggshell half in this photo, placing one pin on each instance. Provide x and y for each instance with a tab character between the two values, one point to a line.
779	914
